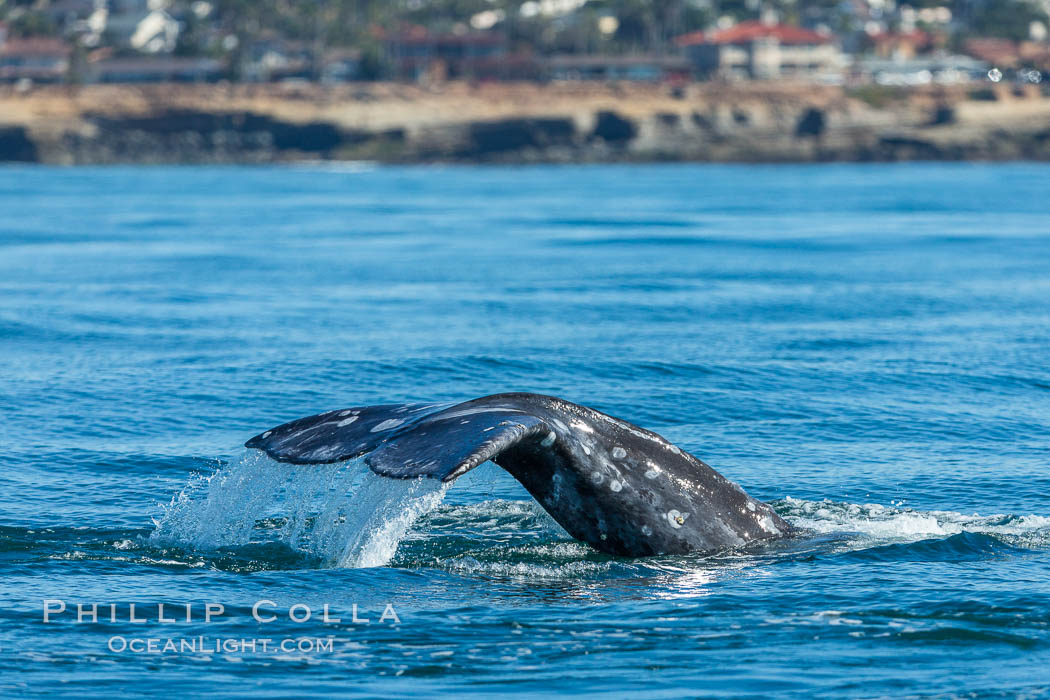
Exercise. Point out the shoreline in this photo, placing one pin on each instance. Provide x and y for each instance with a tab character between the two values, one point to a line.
521	123
362	165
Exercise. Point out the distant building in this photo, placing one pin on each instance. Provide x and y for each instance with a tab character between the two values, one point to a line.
1006	54
598	67
417	54
939	69
1002	53
901	46
166	69
1036	53
38	59
274	58
341	65
144	30
762	51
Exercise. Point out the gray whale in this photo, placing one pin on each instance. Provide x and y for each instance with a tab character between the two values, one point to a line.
622	489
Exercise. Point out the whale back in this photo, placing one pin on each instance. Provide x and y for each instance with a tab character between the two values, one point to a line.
622	489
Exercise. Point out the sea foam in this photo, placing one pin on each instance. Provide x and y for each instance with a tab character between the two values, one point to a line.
881	524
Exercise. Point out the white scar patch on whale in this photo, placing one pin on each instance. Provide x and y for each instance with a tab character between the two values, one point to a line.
615	485
619	453
428	406
346	421
387	424
474	411
268	433
730	534
652	474
325	452
766	523
549	440
626	426
305	431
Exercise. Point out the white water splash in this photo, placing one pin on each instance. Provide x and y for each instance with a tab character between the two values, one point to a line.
341	513
886	524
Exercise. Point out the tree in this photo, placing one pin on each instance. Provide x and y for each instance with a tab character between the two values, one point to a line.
1010	19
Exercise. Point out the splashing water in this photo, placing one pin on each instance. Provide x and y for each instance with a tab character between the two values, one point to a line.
880	524
341	513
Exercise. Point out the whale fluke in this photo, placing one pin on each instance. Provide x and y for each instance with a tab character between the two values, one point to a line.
620	488
334	436
447	446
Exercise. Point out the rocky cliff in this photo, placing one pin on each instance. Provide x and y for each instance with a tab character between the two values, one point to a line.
572	122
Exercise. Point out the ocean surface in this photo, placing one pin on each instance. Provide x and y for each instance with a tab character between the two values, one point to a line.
865	347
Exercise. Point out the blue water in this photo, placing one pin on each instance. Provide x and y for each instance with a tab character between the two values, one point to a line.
864	346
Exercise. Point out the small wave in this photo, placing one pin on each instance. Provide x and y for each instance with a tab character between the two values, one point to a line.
500	515
967	636
79	555
966	546
615	223
547	562
876	525
499	539
335	166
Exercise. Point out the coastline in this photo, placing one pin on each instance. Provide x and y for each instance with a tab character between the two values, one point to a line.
520	123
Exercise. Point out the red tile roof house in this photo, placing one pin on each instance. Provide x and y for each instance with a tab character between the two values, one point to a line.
1001	53
762	51
418	54
901	46
37	59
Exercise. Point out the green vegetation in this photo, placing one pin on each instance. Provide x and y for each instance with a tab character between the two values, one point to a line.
878	96
1009	19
